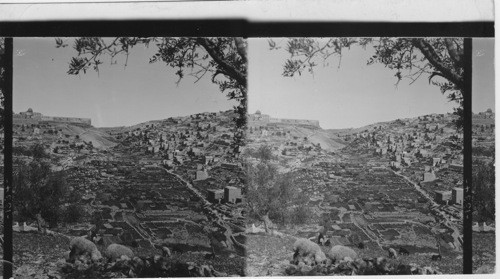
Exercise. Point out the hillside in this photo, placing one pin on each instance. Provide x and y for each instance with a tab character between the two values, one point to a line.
146	187
64	137
373	187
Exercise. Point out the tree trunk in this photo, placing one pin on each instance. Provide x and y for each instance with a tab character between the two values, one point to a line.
267	223
41	224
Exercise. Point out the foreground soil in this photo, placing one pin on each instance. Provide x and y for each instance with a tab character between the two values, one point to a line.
483	251
41	256
269	256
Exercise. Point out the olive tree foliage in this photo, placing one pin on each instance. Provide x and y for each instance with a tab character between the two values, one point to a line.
438	59
223	59
263	153
483	185
275	197
37	190
2	77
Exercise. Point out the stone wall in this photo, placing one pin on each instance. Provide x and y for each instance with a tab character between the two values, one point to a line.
73	120
37	118
295	121
255	120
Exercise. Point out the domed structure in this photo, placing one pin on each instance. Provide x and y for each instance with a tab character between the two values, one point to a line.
29	112
258	112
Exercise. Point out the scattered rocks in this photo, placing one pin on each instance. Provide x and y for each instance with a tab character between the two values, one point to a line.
153	266
357	266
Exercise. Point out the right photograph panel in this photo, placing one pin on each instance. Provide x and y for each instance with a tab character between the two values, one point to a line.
355	156
483	155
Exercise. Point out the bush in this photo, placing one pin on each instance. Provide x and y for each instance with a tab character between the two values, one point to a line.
483	185
264	153
36	151
301	215
36	189
483	151
274	195
73	214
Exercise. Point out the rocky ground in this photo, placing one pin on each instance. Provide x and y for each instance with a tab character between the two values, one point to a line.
37	255
270	255
267	255
42	256
483	250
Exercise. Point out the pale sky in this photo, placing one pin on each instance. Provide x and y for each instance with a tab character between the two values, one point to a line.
119	96
352	95
483	75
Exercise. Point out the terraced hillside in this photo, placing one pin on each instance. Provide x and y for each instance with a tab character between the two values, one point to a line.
141	186
374	188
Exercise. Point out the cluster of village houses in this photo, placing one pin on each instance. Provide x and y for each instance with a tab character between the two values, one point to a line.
425	149
131	179
195	147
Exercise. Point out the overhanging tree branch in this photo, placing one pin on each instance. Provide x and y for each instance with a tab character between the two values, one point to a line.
429	53
455	52
221	62
241	49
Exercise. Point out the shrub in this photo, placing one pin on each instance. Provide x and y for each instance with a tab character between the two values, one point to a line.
264	153
36	189
73	213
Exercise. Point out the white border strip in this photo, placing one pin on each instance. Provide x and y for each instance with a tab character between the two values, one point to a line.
256	10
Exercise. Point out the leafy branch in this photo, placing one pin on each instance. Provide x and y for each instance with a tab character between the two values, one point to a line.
410	58
224	58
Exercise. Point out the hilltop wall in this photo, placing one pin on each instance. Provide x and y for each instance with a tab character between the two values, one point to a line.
295	121
258	120
255	120
72	120
29	117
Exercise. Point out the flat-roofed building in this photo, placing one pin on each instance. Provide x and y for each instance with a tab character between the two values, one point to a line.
215	196
457	195
443	197
429	176
201	175
232	194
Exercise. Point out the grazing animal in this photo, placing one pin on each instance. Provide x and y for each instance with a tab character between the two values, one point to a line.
307	249
436	257
116	251
403	251
82	246
321	239
339	252
92	235
392	253
166	252
328	242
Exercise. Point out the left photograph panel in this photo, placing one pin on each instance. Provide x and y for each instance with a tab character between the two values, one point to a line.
126	157
2	191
